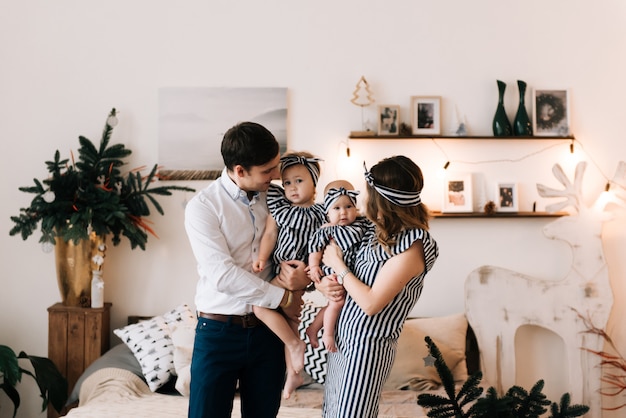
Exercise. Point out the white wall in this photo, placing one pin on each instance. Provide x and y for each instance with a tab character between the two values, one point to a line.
66	63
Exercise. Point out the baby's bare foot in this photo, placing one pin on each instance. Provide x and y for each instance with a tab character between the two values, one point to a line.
329	342
312	334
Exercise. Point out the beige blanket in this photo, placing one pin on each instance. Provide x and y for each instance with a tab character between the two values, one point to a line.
114	393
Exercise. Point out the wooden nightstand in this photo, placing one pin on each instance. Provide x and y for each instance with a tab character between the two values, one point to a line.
76	338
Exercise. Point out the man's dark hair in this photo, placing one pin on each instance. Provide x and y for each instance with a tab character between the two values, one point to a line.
248	144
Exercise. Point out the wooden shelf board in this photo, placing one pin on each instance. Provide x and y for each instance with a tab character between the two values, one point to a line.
499	215
500	138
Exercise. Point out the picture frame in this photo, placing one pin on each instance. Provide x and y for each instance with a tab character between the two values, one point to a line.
551	116
388	119
506	197
426	115
192	122
457	193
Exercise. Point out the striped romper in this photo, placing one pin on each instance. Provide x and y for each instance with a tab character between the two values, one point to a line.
367	344
295	225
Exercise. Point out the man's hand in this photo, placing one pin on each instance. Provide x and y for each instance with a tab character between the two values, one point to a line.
293	275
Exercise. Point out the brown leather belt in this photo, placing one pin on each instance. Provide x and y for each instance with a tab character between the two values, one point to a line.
245	321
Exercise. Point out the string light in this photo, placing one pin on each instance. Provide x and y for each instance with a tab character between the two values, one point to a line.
515	160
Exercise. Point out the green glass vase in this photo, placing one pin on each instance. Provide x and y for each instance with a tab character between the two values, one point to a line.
521	124
501	124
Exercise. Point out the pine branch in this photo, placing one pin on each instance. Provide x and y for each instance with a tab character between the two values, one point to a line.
516	403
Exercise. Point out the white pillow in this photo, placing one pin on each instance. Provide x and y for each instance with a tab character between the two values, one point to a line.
151	343
183	337
409	370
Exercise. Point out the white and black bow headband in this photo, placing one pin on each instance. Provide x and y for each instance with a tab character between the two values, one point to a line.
307	162
397	197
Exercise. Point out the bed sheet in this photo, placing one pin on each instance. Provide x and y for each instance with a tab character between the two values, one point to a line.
112	393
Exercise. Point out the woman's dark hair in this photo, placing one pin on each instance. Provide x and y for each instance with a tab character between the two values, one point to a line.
248	144
400	173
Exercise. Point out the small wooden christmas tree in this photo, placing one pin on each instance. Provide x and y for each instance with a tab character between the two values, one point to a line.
468	403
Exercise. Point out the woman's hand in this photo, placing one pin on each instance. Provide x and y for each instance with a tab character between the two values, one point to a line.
333	257
332	290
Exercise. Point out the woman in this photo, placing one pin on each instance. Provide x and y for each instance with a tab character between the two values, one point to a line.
381	288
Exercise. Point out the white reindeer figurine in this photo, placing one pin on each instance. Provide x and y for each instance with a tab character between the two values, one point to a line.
499	301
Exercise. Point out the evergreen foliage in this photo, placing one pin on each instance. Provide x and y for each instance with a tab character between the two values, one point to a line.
468	403
92	195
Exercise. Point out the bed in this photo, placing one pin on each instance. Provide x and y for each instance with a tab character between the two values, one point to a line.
147	374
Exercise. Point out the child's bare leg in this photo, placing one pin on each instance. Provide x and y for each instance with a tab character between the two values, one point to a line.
295	379
330	320
313	329
285	331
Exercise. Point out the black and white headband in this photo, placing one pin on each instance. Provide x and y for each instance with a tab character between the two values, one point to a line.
290	160
397	197
333	194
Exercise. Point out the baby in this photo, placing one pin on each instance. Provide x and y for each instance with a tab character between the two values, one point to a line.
346	228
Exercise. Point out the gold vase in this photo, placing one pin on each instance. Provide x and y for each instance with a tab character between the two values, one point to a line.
74	265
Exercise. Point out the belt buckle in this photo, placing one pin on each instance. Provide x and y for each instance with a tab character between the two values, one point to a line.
248	321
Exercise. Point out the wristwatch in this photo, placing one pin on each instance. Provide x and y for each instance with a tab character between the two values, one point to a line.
341	275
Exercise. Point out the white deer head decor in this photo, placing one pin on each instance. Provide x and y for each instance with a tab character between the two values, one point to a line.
499	301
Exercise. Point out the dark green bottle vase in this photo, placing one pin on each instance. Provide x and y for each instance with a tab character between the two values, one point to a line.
521	124
501	124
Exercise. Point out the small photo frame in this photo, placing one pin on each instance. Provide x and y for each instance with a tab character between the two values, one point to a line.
506	197
426	115
551	112
388	119
457	193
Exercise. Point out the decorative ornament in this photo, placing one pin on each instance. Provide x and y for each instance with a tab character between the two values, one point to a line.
48	196
362	96
501	124
405	129
490	207
429	360
521	123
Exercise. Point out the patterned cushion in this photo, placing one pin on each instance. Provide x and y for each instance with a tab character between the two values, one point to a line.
151	343
314	358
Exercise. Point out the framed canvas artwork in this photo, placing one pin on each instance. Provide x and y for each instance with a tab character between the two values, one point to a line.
426	115
192	122
457	193
551	112
388	119
506	197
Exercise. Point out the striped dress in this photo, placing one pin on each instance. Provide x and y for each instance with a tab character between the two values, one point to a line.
367	344
347	237
295	225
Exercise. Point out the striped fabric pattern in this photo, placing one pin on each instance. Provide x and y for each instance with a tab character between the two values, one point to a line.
295	226
367	344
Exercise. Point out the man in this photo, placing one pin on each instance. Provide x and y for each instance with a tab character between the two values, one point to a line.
224	223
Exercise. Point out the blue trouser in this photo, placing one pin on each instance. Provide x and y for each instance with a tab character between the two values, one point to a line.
225	353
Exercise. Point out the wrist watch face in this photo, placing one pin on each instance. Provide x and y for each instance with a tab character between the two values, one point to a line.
340	278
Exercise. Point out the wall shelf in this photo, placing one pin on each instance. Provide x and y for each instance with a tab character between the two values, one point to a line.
498	215
499	138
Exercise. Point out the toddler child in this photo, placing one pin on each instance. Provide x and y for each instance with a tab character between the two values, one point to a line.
294	216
